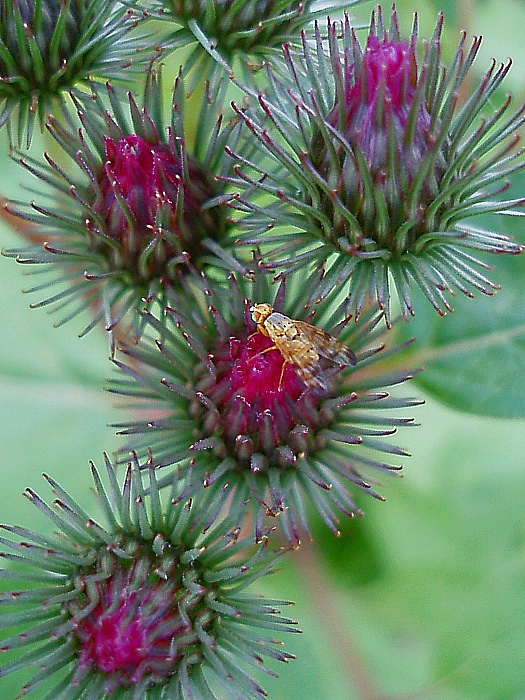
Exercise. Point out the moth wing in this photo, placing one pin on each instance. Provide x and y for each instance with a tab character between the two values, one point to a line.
293	340
327	346
312	375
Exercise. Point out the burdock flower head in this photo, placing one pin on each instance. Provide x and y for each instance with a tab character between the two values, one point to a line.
221	31
262	402
50	47
378	166
138	206
150	605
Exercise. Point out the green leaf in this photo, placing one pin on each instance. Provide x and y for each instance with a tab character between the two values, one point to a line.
443	615
53	410
474	359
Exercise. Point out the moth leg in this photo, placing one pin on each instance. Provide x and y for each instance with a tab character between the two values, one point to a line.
283	367
261	352
285	362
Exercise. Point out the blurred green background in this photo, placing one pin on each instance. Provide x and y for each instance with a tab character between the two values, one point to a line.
422	598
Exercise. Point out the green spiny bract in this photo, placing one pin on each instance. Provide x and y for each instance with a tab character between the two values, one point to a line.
376	170
151	604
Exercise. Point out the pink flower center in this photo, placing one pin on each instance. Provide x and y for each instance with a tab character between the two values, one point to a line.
378	105
117	643
143	174
131	632
386	74
260	375
258	396
151	203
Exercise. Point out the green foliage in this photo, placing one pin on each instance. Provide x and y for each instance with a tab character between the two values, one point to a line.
423	596
473	359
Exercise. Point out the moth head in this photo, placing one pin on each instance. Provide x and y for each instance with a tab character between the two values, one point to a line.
260	312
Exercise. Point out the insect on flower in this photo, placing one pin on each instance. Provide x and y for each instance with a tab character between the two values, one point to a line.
301	345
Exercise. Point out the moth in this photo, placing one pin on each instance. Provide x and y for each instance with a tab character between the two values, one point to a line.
301	345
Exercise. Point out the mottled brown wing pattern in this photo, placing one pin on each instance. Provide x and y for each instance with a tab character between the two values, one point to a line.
293	341
326	345
301	344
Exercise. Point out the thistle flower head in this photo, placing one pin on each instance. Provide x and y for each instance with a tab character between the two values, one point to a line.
138	207
377	167
50	47
150	605
151	195
272	423
236	35
380	98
